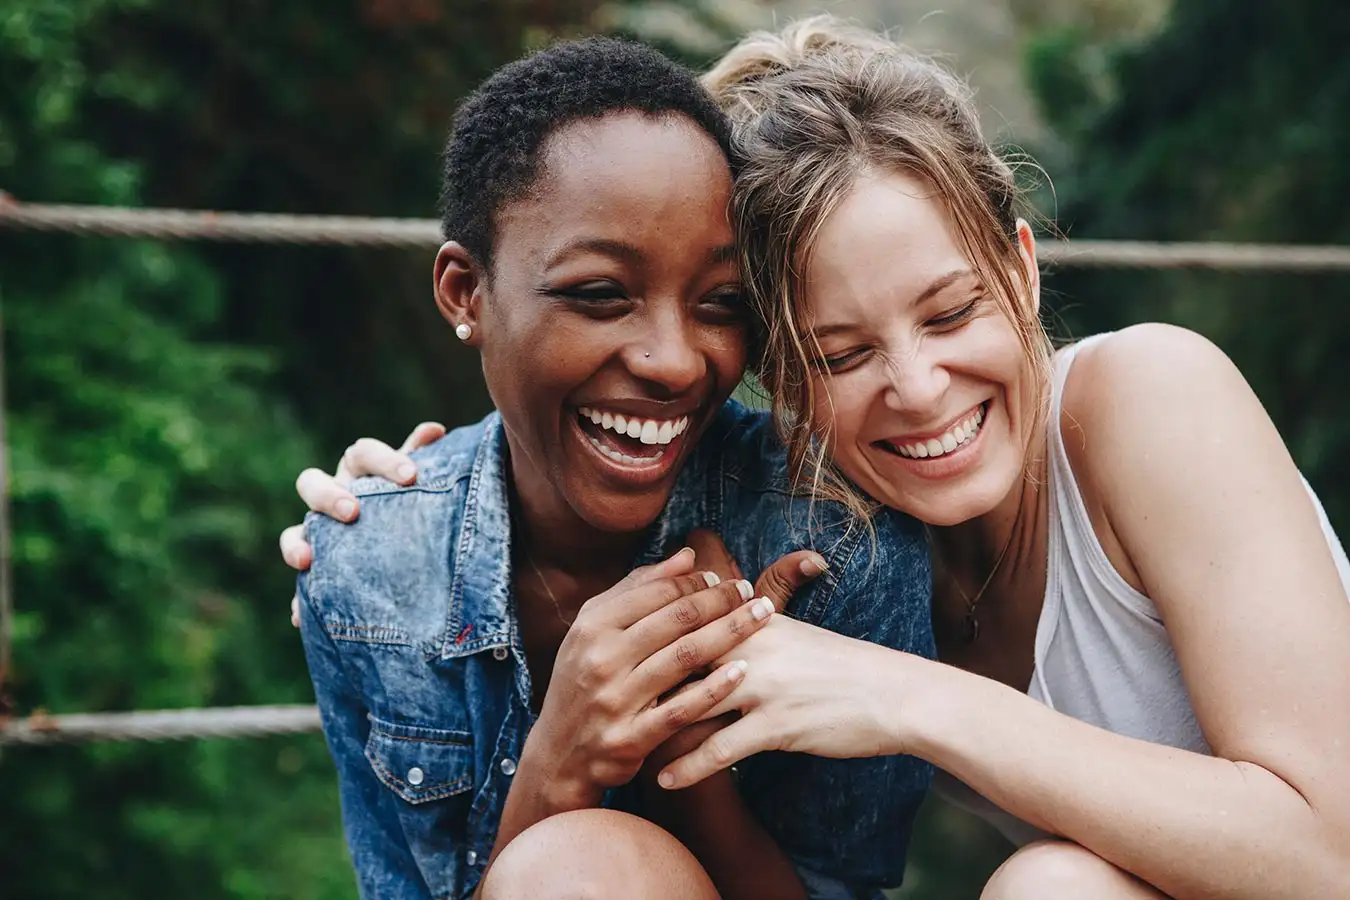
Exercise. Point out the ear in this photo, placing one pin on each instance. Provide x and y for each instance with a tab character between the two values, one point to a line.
1026	247
458	287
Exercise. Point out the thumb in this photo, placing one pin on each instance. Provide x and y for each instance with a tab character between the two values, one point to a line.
788	575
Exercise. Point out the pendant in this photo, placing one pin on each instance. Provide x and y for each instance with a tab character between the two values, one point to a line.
971	628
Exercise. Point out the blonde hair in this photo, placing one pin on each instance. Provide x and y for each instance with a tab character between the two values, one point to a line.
813	107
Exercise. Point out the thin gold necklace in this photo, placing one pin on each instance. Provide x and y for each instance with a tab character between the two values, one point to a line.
557	607
970	624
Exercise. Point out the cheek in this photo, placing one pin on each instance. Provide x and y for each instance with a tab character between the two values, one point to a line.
840	412
727	353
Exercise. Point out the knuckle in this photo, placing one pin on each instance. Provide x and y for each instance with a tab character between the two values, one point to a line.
677	715
617	743
719	750
739	626
712	694
691	584
596	666
686	612
687	655
607	702
672	588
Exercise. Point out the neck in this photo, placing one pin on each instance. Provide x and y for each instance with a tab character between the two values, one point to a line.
1007	533
555	538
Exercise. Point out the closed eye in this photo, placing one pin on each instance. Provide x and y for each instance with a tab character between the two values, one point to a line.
955	317
590	291
842	362
726	304
596	299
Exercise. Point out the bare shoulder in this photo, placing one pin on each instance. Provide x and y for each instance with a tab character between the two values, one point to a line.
1142	384
1152	362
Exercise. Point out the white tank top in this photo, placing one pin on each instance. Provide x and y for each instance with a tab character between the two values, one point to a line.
1102	654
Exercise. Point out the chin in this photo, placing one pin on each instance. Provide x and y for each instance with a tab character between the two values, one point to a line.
619	514
945	505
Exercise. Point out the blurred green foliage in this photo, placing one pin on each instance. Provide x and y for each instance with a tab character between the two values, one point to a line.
161	397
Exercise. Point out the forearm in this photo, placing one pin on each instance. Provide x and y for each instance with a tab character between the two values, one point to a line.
1190	824
535	794
712	820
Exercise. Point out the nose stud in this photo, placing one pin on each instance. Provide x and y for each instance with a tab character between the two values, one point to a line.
648	355
463	331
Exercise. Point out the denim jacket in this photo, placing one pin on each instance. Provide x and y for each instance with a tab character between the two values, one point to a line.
408	623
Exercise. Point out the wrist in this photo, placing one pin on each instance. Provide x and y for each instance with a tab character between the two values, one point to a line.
541	774
903	692
929	716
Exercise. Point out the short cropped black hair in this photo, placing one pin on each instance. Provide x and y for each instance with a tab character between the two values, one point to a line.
492	155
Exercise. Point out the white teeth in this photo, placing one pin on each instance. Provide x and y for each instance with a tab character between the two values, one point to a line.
648	431
960	433
624	457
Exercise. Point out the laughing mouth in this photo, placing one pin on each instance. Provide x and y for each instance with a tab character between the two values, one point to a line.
949	441
630	440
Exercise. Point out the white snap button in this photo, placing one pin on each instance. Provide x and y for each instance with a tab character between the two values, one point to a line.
471	858
500	653
508	767
416	776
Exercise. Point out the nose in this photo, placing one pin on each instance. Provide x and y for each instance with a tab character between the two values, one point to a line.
917	381
667	355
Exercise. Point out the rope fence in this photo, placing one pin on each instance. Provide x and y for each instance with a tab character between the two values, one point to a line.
178	224
181	224
161	725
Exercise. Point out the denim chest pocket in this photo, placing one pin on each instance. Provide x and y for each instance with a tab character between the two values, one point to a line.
430	773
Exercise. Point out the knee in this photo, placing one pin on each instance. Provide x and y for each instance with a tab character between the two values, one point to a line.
595	854
1065	871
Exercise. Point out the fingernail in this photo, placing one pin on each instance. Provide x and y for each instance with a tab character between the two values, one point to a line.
346	509
737	670
712	579
746	589
813	565
683	551
666	780
407	471
762	609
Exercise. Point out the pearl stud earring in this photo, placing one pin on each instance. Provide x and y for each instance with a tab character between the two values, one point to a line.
463	331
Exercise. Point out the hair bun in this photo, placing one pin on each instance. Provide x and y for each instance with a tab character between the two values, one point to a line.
764	54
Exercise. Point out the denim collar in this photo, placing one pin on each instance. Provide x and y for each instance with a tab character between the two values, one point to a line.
482	603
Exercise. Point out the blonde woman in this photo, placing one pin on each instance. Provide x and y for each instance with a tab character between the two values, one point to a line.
1143	628
1144	637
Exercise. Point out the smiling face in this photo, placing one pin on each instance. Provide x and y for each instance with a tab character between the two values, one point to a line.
928	394
612	326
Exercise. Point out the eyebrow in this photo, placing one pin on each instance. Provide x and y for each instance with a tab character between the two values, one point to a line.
626	252
724	253
602	246
935	287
